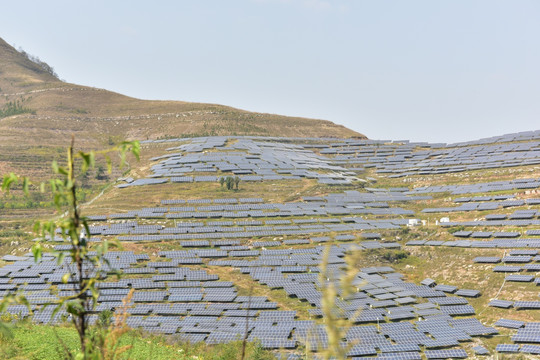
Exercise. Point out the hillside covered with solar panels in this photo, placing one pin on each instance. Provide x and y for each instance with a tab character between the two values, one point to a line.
444	238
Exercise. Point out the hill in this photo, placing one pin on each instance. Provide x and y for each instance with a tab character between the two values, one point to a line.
50	110
19	74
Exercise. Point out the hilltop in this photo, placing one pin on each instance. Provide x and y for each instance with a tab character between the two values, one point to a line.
55	110
20	74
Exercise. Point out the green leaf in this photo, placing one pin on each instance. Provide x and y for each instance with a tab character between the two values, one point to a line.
57	199
69	184
122	157
65	278
74	236
74	307
86	228
37	251
88	160
136	149
61	170
52	182
92	159
9	179
49	228
26	183
95	293
109	163
60	258
37	227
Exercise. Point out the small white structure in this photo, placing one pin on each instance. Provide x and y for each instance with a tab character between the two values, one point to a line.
413	222
445	219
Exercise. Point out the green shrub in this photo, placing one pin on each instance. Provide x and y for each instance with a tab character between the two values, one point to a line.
455	229
14	108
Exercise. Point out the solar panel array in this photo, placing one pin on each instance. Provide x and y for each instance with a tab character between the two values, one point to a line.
497	243
171	298
525	339
178	292
400	159
468	204
493	186
245	218
330	161
248	158
520	221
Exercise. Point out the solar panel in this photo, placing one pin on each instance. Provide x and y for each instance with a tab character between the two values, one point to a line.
507	268
446	354
487	259
527	304
520	278
446	288
510	324
530	349
480	350
507	348
468	293
399	356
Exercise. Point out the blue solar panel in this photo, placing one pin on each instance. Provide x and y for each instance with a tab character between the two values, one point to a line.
507	348
446	354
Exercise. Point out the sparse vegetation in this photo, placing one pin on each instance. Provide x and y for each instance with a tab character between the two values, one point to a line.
394	256
230	182
41	64
372	257
455	229
36	342
14	108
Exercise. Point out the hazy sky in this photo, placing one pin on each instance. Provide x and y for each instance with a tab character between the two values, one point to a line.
433	70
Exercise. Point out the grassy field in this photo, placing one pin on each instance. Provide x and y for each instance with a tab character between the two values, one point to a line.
40	342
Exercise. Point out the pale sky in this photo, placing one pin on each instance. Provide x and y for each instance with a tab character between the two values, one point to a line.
432	70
